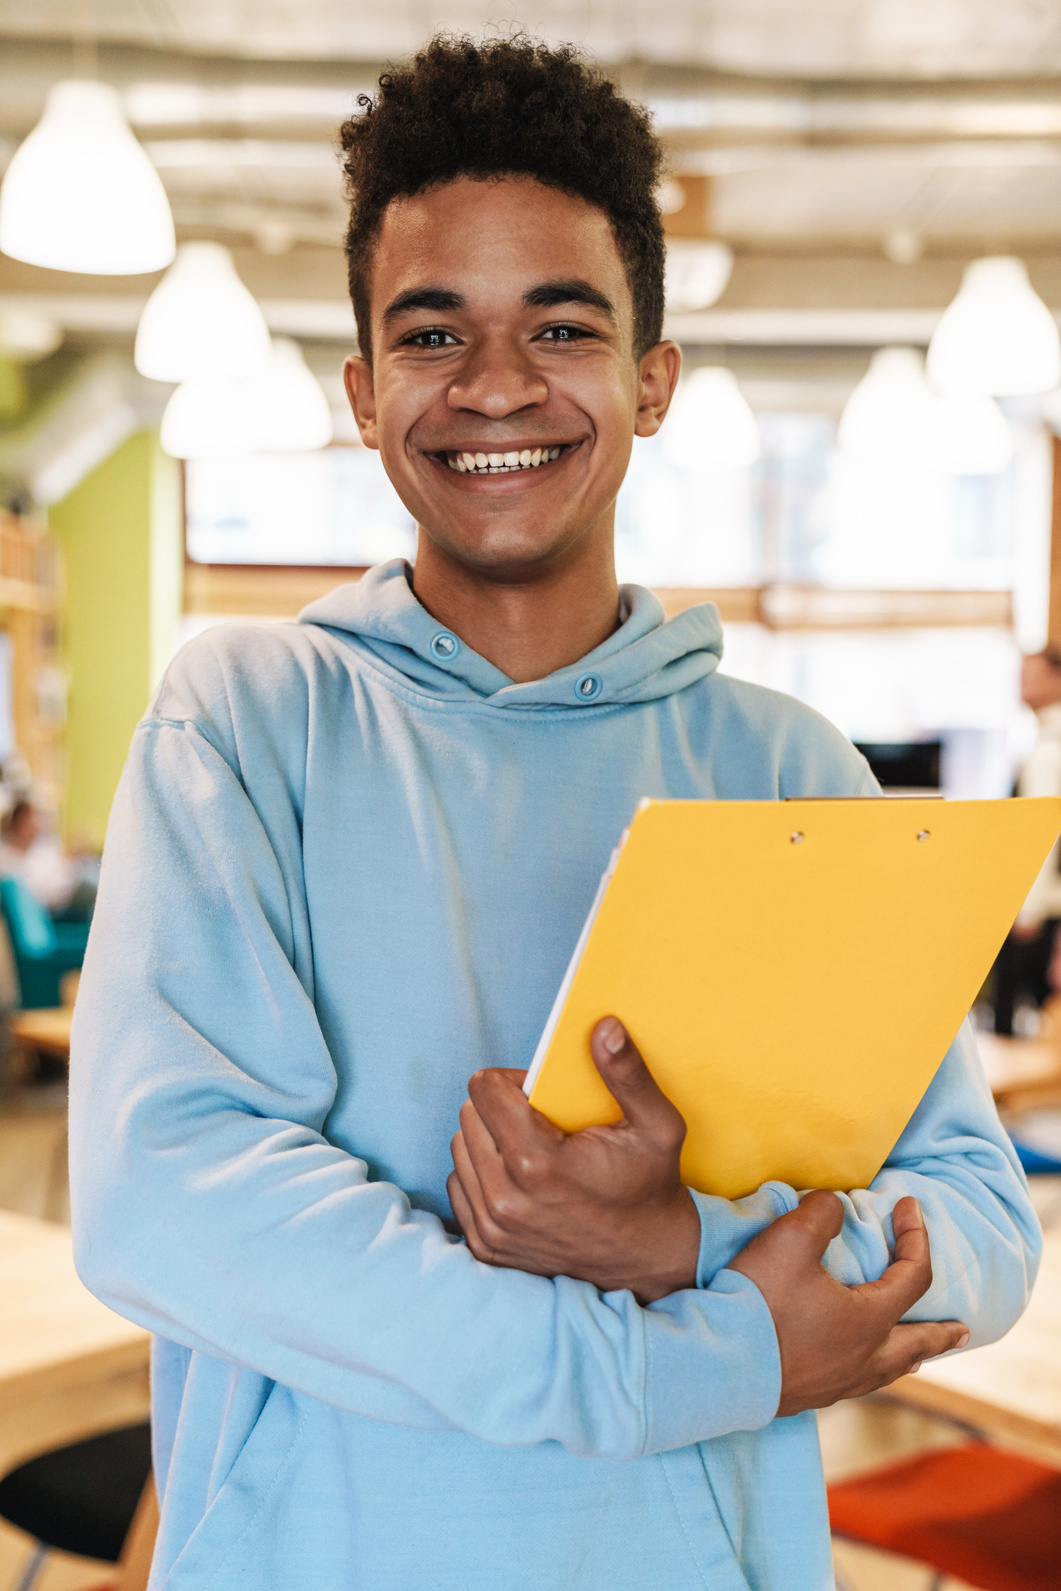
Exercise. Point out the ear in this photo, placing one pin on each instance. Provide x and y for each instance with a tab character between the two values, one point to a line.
360	389
657	379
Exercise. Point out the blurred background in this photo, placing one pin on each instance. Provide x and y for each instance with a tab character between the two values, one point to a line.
862	466
878	546
837	166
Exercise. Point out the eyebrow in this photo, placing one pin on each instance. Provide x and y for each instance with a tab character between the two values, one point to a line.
548	295
545	295
441	300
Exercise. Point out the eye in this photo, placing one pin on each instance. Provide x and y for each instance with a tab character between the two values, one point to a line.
566	333
429	337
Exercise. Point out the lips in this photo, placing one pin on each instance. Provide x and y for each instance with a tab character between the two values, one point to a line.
467	462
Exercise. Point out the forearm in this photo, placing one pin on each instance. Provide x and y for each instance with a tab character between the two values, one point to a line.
270	1248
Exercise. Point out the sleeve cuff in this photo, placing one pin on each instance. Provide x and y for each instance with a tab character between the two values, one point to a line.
727	1225
712	1364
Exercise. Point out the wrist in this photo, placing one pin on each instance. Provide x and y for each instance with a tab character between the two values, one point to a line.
672	1251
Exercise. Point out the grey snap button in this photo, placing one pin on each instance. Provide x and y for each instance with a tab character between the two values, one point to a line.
588	687
445	646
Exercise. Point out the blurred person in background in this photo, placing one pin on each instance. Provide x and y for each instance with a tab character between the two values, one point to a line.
1023	964
64	883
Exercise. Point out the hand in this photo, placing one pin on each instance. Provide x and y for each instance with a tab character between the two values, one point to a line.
605	1205
842	1342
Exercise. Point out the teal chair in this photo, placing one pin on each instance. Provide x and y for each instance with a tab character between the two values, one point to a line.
43	949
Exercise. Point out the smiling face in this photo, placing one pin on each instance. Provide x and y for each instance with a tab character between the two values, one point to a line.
504	392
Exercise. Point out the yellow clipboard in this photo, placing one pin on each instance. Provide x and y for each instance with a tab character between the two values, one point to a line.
792	971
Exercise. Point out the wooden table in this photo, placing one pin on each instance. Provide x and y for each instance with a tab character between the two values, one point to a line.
69	1367
1010	1391
47	1029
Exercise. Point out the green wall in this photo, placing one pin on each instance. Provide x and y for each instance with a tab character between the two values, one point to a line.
122	539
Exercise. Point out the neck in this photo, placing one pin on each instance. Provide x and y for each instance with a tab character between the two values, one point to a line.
528	624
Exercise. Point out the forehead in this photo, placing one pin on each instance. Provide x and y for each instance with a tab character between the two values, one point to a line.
492	239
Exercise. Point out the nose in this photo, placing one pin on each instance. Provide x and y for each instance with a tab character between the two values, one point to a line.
497	380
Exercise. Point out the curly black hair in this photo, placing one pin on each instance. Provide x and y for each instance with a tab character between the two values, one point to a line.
465	108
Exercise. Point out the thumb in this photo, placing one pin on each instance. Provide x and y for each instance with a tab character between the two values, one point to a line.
784	1254
821	1215
630	1082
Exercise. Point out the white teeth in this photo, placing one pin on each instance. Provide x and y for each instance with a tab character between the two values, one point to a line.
502	463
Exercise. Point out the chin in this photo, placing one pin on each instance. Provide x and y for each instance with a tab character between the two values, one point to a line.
501	551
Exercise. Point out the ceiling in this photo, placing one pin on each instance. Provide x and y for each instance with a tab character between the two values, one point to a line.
859	151
809	38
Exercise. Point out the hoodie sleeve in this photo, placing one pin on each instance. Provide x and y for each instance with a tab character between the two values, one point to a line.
956	1159
210	1207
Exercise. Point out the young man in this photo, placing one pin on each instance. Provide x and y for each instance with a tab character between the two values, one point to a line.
348	863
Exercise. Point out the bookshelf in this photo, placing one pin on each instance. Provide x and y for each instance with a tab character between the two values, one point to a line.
30	597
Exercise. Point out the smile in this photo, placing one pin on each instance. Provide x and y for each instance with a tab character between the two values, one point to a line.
467	463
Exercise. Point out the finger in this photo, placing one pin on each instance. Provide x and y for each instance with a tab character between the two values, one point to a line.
790	1250
821	1214
909	1345
468	1177
631	1084
908	1221
478	1140
495	1196
518	1130
909	1276
465	1218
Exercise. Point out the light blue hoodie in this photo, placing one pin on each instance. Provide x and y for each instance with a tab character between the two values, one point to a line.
346	868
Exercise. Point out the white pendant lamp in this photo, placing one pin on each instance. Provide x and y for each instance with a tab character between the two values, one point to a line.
293	415
890	416
973	436
894	417
202	321
285	411
209	417
81	194
997	338
697	273
711	423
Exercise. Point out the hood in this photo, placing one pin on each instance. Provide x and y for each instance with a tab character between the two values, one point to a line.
647	657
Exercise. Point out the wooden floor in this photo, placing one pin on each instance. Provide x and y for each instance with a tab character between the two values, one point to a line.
855	1436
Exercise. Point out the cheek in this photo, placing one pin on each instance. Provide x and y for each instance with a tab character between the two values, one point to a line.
399	405
609	398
